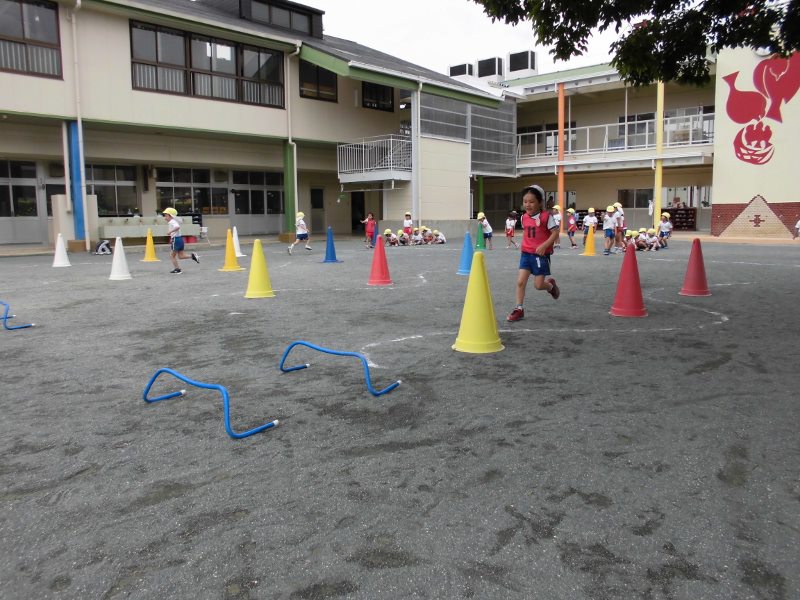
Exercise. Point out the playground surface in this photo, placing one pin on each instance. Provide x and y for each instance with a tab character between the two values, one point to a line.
594	457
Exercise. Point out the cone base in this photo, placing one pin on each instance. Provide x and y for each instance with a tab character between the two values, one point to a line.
462	272
587	254
695	293
59	266
120	277
232	269
269	294
331	261
386	282
477	347
625	312
150	260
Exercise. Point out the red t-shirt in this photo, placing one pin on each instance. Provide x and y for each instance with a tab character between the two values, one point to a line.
370	226
535	231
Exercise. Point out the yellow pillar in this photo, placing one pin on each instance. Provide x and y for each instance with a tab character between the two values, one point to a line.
560	195
659	153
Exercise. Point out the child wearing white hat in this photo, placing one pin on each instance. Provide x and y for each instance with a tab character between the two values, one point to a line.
301	232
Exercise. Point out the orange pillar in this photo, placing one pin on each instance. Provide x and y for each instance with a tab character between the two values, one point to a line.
560	194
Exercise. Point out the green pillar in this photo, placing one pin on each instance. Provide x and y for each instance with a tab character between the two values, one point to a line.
289	190
480	193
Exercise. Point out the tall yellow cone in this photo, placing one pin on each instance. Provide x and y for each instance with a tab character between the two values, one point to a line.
478	331
589	251
150	249
259	285
231	264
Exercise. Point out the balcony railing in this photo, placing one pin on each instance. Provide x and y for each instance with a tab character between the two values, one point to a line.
382	153
616	137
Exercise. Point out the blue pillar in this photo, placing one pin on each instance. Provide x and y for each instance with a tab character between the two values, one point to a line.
76	183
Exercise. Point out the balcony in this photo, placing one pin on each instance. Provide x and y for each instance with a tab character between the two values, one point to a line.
616	144
380	158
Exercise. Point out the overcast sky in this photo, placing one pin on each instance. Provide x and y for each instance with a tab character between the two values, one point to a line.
439	33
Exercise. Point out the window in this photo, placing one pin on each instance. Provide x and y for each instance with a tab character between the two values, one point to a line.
490	66
317	83
189	190
281	16
465	69
521	60
171	61
18	189
380	97
29	37
639	198
258	192
115	188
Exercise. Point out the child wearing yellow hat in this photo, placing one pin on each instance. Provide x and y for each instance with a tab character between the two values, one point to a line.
572	227
589	224
301	232
664	229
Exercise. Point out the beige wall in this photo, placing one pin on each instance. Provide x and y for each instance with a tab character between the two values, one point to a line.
444	180
736	181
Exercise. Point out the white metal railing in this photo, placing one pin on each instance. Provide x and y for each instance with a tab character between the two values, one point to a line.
615	137
380	153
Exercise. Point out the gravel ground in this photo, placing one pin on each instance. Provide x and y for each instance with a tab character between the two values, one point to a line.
595	457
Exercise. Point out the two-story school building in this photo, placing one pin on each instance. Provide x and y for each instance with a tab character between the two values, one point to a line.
717	157
243	112
239	112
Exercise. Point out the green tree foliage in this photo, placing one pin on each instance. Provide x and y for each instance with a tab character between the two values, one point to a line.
658	40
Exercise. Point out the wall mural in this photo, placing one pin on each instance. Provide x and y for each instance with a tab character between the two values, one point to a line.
776	80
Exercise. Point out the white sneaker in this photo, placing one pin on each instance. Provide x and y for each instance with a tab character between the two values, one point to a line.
289	250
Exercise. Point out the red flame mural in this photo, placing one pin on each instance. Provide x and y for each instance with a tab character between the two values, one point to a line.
776	80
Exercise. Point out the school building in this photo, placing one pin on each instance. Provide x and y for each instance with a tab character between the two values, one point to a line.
243	112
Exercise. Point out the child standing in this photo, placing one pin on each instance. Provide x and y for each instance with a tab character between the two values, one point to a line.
369	229
539	233
176	240
408	223
511	223
589	222
487	230
572	227
664	229
301	232
796	230
557	218
609	230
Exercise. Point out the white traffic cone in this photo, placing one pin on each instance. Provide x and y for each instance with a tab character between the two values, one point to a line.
119	266
61	259
236	248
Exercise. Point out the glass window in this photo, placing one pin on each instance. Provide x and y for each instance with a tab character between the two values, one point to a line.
183	199
163	174
5	201
143	41
127	173
10	19
53	189
220	176
274	178
380	97
106	199
219	201
3	168
316	82
126	200
301	22
202	201
241	200
164	198
256	178
274	203
182	175
171	49
241	177
53	170
104	173
281	17
23	198
39	21
22	170
257	202
201	175
201	54
260	11
223	59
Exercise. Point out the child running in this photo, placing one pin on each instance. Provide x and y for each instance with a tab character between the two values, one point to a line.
176	240
572	227
301	232
539	233
511	223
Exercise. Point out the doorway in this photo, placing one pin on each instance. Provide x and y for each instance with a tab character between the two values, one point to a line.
357	211
317	209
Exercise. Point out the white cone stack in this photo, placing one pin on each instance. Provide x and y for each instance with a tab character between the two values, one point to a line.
237	249
119	266
61	259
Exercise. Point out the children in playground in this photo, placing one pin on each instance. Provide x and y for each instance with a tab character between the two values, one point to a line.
416	237
301	232
556	210
651	239
402	237
511	224
176	240
589	224
609	230
664	229
572	227
427	235
390	238
438	237
486	229
539	234
369	229
619	227
408	223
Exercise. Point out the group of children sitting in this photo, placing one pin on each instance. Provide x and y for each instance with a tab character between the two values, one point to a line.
419	236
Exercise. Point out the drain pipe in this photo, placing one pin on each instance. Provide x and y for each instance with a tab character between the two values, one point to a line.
291	141
416	171
79	119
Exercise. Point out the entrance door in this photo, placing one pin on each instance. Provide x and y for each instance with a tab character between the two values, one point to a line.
317	210
23	206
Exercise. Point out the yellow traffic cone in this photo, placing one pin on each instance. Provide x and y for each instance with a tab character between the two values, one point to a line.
478	331
231	264
259	285
589	251
150	249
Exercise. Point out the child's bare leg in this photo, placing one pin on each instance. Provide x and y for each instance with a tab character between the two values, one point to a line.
173	256
522	281
540	284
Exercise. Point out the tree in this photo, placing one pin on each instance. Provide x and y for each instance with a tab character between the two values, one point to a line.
659	40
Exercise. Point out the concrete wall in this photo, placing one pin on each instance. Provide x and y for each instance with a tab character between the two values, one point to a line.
444	191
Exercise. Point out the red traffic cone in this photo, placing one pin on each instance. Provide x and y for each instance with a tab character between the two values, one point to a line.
628	302
695	284
380	270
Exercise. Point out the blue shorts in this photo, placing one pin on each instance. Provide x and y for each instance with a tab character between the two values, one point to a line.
177	244
663	234
302	236
571	234
537	265
609	233
487	236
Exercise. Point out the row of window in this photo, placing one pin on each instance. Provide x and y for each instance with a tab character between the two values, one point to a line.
29	37
205	191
